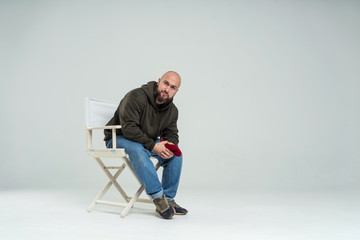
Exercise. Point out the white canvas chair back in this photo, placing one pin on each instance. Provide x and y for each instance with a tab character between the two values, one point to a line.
97	114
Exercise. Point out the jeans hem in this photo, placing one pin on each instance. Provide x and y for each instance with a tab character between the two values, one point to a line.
157	195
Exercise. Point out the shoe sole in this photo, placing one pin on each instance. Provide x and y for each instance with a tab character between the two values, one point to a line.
180	213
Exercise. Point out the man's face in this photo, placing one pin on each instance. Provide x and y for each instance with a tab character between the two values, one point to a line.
167	87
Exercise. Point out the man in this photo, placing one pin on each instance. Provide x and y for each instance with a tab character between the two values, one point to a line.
148	118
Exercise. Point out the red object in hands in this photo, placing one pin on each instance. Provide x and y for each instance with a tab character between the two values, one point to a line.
172	147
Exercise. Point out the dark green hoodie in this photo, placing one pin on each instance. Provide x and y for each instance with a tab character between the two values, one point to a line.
142	120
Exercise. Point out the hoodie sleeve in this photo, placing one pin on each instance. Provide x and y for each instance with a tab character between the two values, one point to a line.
170	133
130	113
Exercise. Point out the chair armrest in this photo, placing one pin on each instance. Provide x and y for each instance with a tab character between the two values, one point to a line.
104	127
89	134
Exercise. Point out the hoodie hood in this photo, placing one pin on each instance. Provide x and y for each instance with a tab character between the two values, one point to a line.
150	91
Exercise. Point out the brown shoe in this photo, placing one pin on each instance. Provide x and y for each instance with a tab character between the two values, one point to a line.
178	210
163	207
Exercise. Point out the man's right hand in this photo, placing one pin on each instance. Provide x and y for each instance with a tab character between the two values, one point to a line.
162	151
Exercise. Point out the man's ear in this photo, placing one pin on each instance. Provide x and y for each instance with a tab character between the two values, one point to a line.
158	81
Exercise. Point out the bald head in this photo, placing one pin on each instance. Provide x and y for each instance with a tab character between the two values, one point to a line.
167	87
174	76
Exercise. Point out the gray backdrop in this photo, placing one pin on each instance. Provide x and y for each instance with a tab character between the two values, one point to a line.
269	98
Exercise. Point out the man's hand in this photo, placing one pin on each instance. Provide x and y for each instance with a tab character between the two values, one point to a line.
162	151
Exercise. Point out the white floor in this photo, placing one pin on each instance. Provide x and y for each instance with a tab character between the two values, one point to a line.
44	214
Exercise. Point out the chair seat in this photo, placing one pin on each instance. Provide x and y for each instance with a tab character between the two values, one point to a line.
106	152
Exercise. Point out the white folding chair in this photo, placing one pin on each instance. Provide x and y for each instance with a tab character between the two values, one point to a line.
98	113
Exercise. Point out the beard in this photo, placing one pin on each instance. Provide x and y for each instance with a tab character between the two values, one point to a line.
162	99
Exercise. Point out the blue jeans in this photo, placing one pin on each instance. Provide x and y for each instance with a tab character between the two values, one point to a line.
145	171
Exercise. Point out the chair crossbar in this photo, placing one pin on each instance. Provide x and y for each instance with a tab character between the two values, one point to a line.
129	201
143	200
111	203
113	178
113	167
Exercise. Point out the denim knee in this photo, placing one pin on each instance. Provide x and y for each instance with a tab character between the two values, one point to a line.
178	160
141	157
137	149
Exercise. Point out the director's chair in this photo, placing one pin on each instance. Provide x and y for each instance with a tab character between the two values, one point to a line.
97	115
